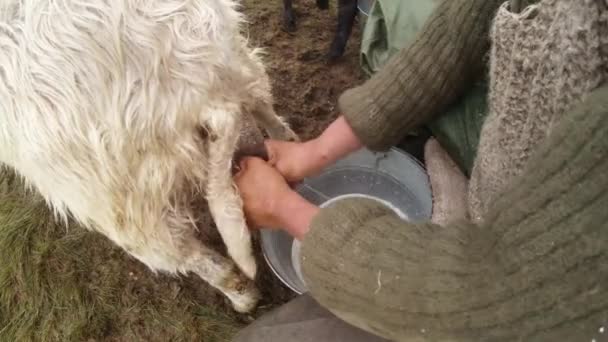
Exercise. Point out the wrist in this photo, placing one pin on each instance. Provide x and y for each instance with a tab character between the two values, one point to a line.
295	214
314	156
320	152
336	142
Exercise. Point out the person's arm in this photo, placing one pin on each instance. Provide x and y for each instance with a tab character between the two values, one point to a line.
336	142
418	83
424	78
535	271
297	161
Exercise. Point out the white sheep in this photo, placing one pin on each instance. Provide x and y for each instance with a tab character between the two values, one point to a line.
123	113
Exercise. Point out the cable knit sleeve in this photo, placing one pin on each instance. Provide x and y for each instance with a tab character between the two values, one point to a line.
424	78
536	270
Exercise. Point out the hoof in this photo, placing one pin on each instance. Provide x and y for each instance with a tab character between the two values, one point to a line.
247	301
332	57
289	27
289	22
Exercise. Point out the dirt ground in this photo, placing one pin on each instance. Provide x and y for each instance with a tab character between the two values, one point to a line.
59	284
305	87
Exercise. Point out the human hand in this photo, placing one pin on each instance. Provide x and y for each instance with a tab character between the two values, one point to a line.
295	160
262	189
269	202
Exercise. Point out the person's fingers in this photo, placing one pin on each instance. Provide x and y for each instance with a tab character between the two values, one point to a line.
271	151
248	162
242	169
243	164
238	176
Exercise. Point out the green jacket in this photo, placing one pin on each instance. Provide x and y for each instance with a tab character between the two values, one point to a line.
537	270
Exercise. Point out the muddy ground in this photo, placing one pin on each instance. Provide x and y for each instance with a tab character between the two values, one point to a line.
61	283
305	87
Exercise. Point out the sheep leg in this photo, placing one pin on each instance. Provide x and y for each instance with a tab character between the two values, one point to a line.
222	273
347	13
259	104
275	126
224	200
289	20
190	255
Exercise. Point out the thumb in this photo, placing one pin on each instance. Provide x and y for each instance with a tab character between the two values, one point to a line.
271	150
243	163
241	169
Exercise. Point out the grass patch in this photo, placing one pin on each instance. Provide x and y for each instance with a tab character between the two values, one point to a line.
63	283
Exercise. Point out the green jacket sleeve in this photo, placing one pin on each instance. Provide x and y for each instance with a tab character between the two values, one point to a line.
536	270
424	78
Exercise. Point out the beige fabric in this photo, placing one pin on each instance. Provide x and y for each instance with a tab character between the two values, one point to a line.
543	61
448	183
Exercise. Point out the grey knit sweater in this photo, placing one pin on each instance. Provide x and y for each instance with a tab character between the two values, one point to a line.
542	62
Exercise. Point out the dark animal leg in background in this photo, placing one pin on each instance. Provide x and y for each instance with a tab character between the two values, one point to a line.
323	4
289	19
347	12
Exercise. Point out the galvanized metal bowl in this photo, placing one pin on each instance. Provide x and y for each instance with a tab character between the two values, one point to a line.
393	178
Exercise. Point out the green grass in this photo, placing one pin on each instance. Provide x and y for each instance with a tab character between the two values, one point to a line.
62	283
